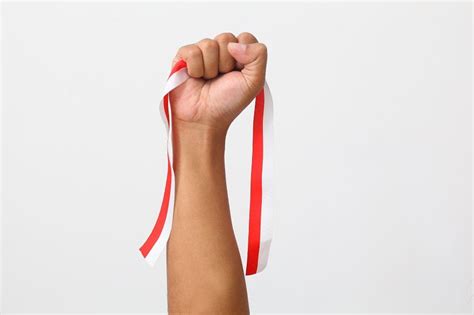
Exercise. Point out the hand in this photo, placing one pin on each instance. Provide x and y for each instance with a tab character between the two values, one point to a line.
226	75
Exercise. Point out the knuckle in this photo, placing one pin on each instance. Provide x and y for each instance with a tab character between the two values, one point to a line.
225	37
208	44
194	52
246	36
189	51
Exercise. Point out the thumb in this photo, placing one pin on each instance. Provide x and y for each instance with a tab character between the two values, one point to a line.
253	57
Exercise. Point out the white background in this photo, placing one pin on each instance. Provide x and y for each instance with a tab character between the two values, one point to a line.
373	144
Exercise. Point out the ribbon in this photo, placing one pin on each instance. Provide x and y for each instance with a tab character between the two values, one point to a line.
261	180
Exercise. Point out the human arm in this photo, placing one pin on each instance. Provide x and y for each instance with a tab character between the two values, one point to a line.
205	273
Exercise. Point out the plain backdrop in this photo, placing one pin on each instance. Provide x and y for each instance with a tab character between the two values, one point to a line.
373	153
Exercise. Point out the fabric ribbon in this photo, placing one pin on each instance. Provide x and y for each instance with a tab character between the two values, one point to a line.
261	180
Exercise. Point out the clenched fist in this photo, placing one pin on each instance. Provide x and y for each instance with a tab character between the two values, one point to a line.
227	72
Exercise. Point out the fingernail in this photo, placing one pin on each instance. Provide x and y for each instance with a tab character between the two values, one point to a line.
237	47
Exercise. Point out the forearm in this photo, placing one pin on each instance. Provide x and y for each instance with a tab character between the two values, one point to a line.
204	267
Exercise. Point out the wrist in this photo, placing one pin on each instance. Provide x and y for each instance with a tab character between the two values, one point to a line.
197	146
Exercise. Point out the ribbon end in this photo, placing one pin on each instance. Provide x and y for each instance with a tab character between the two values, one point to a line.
151	262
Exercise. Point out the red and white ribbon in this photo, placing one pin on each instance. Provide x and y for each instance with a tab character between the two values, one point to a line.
261	183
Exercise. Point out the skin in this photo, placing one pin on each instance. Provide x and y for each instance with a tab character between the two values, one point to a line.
205	273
